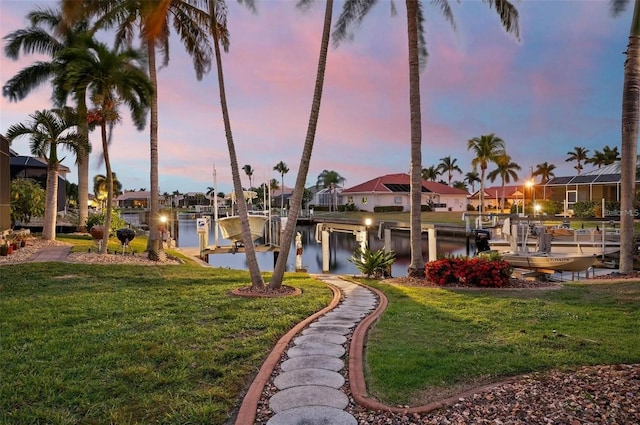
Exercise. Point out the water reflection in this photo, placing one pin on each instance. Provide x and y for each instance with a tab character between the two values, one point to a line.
341	248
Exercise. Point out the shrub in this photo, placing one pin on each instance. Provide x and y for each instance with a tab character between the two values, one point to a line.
478	271
117	222
377	264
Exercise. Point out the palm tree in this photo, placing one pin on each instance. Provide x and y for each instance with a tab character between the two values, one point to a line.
154	19
115	78
458	184
607	156
579	155
629	144
430	173
330	179
303	169
100	187
353	13
281	168
218	27
472	177
448	165
48	35
486	148
545	171
48	131
248	170
506	170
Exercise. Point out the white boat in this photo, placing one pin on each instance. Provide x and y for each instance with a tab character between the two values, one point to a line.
231	227
550	261
523	237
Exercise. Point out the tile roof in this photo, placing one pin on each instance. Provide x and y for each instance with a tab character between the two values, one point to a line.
401	183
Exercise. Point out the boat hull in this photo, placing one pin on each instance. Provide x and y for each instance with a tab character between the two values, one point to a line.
563	247
231	228
548	261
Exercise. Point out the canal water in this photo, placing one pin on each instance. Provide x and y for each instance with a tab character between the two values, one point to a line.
342	247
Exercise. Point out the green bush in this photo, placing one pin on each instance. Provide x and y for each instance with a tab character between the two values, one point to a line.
377	264
97	219
388	208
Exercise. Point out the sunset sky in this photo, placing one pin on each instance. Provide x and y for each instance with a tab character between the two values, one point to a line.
560	86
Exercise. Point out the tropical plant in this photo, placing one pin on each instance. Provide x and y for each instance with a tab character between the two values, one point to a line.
373	263
506	170
217	24
430	173
579	155
629	144
486	148
330	179
47	35
305	159
154	20
116	78
100	188
353	13
98	219
448	165
606	156
472	177
27	200
545	171
49	131
282	169
458	184
248	170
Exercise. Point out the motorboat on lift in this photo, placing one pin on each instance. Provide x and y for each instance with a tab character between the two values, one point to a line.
231	226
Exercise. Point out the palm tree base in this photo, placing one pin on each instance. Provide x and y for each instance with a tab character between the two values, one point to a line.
416	272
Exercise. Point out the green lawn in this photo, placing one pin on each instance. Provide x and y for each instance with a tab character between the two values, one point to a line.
96	344
431	342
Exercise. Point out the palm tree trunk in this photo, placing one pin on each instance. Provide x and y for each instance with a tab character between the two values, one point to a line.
482	170
257	282
153	244
83	165
305	160
51	203
109	175
630	116
417	266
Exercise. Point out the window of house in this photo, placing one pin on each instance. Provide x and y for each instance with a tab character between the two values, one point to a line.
364	200
397	199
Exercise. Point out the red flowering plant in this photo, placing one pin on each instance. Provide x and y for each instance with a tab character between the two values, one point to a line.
479	271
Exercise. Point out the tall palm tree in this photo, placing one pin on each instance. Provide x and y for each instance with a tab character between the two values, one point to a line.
49	131
330	179
48	35
448	165
154	19
218	27
282	169
579	155
248	170
506	170
486	148
116	78
430	173
472	177
545	171
305	159
353	13
629	144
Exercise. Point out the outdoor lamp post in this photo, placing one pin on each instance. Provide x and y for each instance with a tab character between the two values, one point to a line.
536	209
529	184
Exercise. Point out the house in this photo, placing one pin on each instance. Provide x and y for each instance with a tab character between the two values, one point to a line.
513	195
326	197
394	190
595	185
134	199
21	166
281	195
